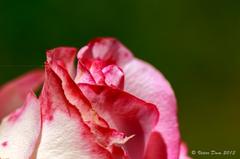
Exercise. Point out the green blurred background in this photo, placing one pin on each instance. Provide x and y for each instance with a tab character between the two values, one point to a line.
195	43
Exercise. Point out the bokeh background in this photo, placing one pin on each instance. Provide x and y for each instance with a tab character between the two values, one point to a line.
195	43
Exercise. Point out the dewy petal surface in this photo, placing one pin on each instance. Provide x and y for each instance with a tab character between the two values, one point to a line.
145	82
13	94
125	113
64	134
19	132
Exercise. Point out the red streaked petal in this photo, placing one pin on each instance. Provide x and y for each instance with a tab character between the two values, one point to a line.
83	75
109	50
147	83
156	148
104	74
64	56
74	95
142	80
100	56
20	131
64	134
13	94
125	113
96	72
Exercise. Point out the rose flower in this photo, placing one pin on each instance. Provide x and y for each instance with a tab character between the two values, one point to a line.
112	106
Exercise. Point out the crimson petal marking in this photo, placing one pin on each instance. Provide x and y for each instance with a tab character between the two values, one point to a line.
64	134
147	83
64	56
13	94
20	131
109	50
125	113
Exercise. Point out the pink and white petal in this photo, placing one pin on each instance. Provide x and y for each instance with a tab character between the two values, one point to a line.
76	97
64	134
96	71
20	131
83	75
104	135
184	151
114	76
65	57
109	50
124	113
13	94
101	53
147	83
156	148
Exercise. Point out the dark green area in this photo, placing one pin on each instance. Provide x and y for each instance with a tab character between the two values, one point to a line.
195	43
